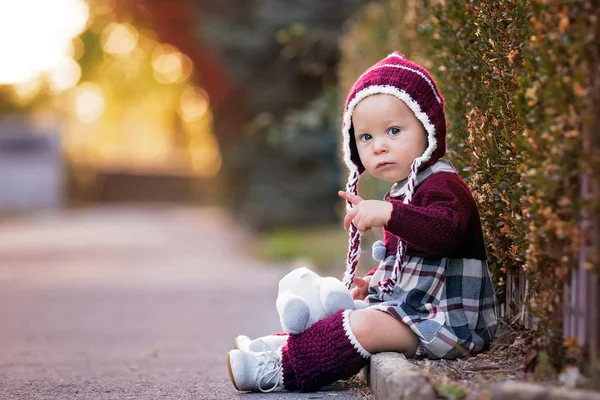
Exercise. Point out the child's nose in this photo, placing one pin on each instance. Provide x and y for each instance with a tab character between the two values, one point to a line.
379	145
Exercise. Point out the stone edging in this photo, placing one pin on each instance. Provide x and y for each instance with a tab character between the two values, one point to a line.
392	376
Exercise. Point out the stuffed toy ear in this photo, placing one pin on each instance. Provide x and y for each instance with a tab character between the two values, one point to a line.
291	281
305	298
293	311
294	304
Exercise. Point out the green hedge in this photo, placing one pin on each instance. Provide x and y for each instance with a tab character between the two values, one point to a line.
515	76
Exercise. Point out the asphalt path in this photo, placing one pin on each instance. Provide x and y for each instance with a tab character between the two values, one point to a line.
130	303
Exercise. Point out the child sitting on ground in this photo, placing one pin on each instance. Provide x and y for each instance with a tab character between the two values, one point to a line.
431	295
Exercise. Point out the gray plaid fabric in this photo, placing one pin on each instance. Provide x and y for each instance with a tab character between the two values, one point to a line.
449	303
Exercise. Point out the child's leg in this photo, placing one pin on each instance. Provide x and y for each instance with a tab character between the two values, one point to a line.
331	349
378	331
339	346
324	353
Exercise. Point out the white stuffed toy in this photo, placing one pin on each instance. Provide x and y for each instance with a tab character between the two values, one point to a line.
305	298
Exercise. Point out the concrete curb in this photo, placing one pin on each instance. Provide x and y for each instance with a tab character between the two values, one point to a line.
392	376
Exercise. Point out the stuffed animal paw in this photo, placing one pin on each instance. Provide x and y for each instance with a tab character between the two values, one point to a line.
305	298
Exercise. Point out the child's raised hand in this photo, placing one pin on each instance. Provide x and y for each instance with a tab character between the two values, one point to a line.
361	287
366	214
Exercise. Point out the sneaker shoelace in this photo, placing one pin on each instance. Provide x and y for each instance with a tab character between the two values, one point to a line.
272	368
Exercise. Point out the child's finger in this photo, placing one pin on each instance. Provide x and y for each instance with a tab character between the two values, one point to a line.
359	282
354	199
349	217
360	290
362	226
360	223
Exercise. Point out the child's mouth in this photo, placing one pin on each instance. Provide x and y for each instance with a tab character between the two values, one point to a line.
384	165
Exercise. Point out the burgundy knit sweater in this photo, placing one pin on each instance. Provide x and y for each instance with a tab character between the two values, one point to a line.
441	221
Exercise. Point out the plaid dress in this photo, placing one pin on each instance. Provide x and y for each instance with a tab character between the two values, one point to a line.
449	303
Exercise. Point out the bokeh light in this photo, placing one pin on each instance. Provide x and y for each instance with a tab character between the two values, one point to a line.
137	108
89	102
65	75
35	36
119	39
168	64
193	104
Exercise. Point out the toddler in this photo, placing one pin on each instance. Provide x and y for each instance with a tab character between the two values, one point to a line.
431	295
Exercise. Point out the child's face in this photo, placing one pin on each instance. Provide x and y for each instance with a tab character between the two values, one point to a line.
388	136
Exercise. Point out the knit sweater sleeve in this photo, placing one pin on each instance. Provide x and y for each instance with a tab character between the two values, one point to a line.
437	218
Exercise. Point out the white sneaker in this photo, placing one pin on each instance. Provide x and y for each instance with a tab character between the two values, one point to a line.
246	344
250	371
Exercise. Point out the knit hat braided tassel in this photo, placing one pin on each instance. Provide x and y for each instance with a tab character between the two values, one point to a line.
388	284
355	236
411	83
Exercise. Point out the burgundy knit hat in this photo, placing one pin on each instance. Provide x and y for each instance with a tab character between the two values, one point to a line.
411	83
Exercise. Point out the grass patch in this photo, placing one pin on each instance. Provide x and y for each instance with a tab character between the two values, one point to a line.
324	247
450	391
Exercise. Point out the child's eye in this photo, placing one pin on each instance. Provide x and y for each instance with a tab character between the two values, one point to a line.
394	131
365	137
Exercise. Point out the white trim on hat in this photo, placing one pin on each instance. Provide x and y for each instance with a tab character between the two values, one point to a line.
401	95
396	55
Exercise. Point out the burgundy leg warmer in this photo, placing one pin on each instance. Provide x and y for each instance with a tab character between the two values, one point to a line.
324	353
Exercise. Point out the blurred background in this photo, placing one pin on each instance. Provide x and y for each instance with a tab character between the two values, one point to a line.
234	104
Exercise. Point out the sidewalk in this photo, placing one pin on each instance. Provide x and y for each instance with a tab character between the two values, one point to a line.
130	303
